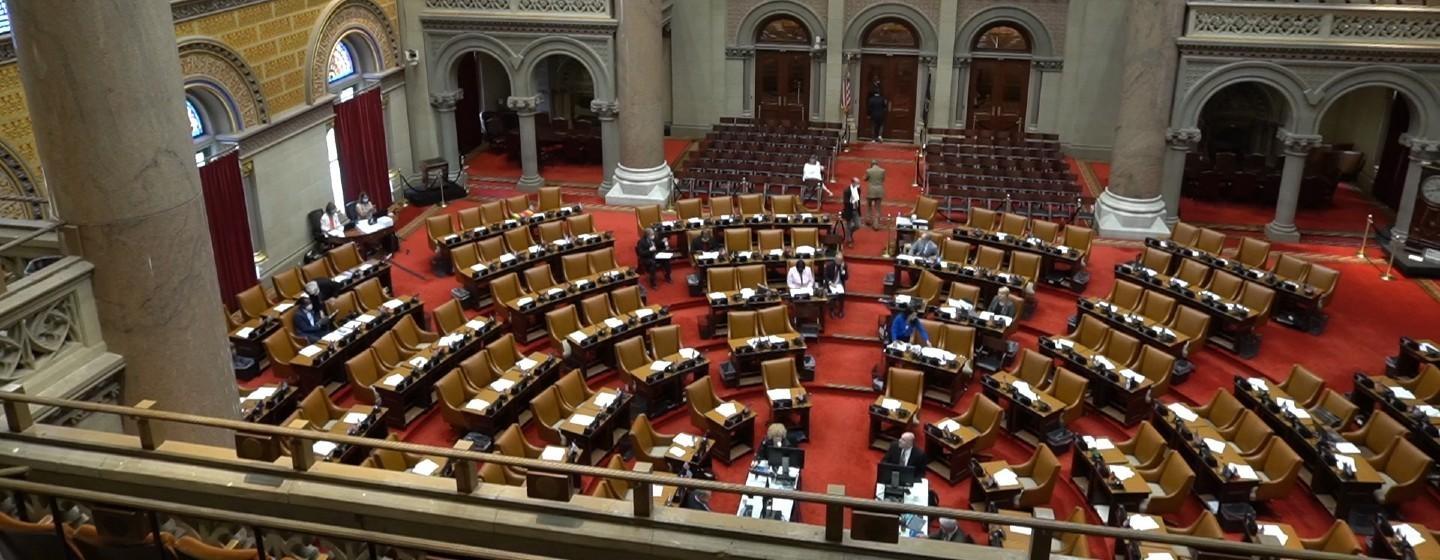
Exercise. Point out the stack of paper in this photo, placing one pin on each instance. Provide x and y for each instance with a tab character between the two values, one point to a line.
684	439
889	404
1402	393
643	312
582	419
1215	445
333	336
727	409
676	452
1244	471
902	299
614	323
778	394
1182	411
354	417
604	398
425	467
689	353
1274	531
1347	448
244	332
310	351
283	307
524	301
526	363
717	295
1006	477
323	448
260	394
501	385
577	336
746	293
1409	533
949	425
477	268
1140	522
419	361
477	405
553	453
659	365
1121	472
393	380
393	304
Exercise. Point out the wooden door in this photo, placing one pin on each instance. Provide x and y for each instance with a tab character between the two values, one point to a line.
897	75
998	93
782	87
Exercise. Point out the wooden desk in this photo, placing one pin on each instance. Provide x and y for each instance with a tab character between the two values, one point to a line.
406	391
526	314
1213	478
761	475
689	453
791	407
1291	298
366	423
989	281
476	279
323	364
448	243
661	384
991	331
949	445
745	299
269	404
1276	534
592	348
1398	544
1118	392
249	338
918	494
598	424
1011	537
369	239
1419	417
735	433
1053	256
1142	550
507	400
776	261
1029	409
1232	325
945	378
1116	486
746	355
1150	332
987	491
1413	356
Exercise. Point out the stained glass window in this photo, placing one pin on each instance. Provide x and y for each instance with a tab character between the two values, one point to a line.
342	63
891	33
784	29
1003	38
4	18
197	126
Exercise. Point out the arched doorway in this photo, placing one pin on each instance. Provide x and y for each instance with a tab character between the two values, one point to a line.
566	128
481	118
782	71
889	64
1363	129
1000	78
1238	159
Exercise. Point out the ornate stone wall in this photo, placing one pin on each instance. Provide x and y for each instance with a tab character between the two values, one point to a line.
349	16
211	61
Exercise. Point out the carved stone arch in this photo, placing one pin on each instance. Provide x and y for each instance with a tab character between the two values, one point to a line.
16	179
343	17
442	72
1422	95
1300	118
929	41
1041	44
552	45
750	25
205	60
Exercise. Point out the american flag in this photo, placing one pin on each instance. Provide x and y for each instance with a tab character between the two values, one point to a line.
846	96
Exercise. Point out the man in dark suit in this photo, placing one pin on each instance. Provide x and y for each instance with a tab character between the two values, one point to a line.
697	499
904	452
645	251
949	531
1001	304
310	321
878	106
322	289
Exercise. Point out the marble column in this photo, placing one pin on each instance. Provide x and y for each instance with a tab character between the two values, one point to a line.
834	60
110	125
1421	152
444	105
606	111
1131	206
643	176
944	76
524	107
1297	147
1181	142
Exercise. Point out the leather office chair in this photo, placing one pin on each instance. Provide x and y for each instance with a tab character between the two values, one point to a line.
738	240
751	204
364	373
1338	539
1377	436
465	257
626	300
750	276
511	443
649	445
1336	405
1170	483
344	306
1157	307
344	257
317	410
1013	224
1223	411
503	354
665	340
1155	259
743	324
594	310
191	548
646	216
1210	241
1155	365
631	357
476	372
1303	386
965	292
1126	295
437	228
1403	468
538	278
549	414
702	398
281	352
371	294
580	224
575	267
1078	238
1324	279
770	240
519	240
38	538
551	232
517	204
687	208
925	208
604	490
1044	230
495	473
983	416
1185	234
1038	477
550	199
776	321
470	218
959	339
288	284
507	288
981	219
1027	266
1146	449
1259	299
805	237
602	260
316	269
1227	286
1253	252
1069	388
1291	268
1193	273
448	316
1033	368
621	487
1121	349
906	385
573	390
721	279
989	258
722	206
780	373
1248	420
1278	468
1425	385
559	323
452	395
781	204
411	337
1205	525
1091	334
388	354
488	250
1250	437
955	251
253	302
1194	324
927	289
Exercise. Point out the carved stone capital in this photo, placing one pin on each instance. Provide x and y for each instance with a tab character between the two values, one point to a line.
524	106
1421	149
962	61
605	110
818	53
1182	139
446	101
1048	64
739	52
1298	144
247	167
927	60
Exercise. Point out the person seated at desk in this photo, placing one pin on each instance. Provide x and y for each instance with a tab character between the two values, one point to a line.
322	289
704	242
904	453
905	325
1001	304
835	276
697	499
331	222
775	436
924	248
645	251
950	531
364	209
310	321
800	276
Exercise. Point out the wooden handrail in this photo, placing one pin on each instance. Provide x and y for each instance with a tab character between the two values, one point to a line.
12	396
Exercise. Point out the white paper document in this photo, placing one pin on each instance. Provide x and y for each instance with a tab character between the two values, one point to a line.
260	394
477	405
684	439
393	304
949	425
604	399
1182	411
1006	477
526	363
689	353
283	306
1347	448
354	417
676	452
1402	393
475	324
323	448
614	323
1409	533
501	385
553	453
310	351
1121	472
244	332
664	255
1142	523
778	394
582	419
659	365
1244	471
1275	531
727	410
1258	384
577	336
425	467
1019	530
889	404
1215	445
418	361
394	380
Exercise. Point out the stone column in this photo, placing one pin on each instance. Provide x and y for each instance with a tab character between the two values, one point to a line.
606	111
110	125
1086	113
444	105
1421	152
1131	206
961	100
944	75
524	107
643	176
1181	141
834	60
1297	147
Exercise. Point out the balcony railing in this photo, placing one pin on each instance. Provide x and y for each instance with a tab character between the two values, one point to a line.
545	475
1350	24
594	8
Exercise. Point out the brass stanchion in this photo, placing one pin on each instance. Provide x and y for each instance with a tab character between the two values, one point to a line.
1390	265
919	159
1365	237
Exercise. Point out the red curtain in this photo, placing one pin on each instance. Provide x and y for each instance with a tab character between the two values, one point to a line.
360	140
229	226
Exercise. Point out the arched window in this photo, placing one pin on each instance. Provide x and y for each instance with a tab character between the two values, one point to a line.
342	63
197	125
1003	38
209	118
783	29
351	57
891	34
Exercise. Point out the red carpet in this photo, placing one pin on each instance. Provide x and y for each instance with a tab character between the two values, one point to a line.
1363	329
1346	214
489	165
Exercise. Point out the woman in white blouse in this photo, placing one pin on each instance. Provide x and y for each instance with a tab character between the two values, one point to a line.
800	276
